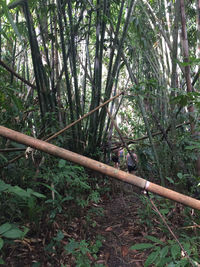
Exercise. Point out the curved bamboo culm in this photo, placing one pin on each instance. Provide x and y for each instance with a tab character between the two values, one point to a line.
99	167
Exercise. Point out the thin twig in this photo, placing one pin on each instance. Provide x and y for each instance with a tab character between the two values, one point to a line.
170	230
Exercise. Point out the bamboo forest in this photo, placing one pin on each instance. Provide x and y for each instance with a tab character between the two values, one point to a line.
99	133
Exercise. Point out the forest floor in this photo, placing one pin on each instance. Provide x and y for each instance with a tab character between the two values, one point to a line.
121	226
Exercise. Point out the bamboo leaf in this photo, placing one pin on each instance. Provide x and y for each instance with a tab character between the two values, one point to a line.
10	19
142	246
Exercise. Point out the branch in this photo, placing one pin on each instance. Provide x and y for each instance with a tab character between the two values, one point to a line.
16	75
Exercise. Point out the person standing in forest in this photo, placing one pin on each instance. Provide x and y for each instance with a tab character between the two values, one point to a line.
121	154
115	158
132	161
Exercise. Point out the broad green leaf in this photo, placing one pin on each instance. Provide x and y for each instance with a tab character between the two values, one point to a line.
187	246
172	264
18	191
164	211
183	262
1	261
5	227
36	194
50	188
164	251
142	246
180	175
3	186
163	261
154	239
151	258
192	147
175	251
13	234
170	180
1	243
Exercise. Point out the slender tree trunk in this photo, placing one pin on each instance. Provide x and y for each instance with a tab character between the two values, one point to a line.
74	70
188	75
64	54
144	115
0	37
174	81
40	74
96	90
186	58
198	70
111	78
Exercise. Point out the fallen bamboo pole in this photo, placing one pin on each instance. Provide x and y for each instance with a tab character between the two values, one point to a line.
99	167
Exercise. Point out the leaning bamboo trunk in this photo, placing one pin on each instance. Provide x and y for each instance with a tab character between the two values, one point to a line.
99	167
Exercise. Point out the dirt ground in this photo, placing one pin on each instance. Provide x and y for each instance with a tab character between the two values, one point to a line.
120	227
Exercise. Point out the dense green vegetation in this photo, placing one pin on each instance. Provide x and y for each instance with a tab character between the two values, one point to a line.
61	59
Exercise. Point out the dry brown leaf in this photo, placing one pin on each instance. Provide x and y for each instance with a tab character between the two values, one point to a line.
109	229
124	251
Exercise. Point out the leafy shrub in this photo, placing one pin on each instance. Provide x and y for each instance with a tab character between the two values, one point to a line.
169	252
84	252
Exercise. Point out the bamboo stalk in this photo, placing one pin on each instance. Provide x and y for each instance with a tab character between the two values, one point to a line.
99	167
83	117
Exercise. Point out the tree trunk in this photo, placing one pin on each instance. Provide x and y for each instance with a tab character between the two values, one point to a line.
188	76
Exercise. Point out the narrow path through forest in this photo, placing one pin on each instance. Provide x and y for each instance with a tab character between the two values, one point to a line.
124	222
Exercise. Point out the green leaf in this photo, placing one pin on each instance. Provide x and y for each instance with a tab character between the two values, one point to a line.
1	261
183	262
36	194
142	246
163	261
10	19
3	186
154	239
71	246
170	180
151	258
13	234
192	147
5	227
180	175
1	243
59	236
50	188
4	158
175	251
19	191
164	251
164	211
61	163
